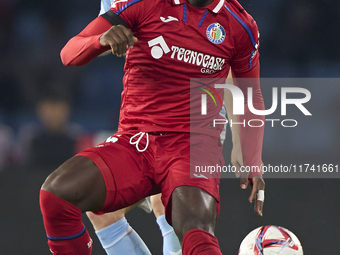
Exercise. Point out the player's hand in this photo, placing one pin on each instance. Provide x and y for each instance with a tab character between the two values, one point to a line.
117	37
257	193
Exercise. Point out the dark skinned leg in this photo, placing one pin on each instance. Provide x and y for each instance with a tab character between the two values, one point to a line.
192	208
79	182
75	187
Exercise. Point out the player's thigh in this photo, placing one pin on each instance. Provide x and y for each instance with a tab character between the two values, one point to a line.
198	150
78	181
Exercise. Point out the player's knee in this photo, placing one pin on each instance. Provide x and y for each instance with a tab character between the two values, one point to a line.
56	211
157	205
63	224
190	223
51	206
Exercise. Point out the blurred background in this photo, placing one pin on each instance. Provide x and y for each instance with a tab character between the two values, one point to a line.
48	112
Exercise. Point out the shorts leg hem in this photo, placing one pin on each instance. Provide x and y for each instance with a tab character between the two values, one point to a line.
110	184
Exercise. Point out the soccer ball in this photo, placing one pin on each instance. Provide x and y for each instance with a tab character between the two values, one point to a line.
270	240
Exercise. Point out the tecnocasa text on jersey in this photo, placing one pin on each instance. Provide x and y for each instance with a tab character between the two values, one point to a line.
197	58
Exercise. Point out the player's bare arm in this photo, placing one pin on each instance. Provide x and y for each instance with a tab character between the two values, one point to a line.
237	157
236	153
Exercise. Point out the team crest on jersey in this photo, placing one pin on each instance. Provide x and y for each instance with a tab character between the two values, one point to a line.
215	33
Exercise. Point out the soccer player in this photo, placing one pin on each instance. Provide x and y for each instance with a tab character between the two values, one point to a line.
114	232
166	43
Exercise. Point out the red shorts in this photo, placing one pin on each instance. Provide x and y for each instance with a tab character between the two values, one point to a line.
135	166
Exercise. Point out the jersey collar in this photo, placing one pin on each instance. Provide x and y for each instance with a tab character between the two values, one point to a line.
215	6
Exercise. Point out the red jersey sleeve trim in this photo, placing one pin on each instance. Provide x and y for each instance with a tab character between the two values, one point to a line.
125	6
245	26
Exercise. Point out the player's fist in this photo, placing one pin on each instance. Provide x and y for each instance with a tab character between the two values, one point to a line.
117	37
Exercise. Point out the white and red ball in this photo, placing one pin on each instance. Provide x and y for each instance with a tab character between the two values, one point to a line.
270	240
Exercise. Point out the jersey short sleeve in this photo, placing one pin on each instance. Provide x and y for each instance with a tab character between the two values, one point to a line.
131	11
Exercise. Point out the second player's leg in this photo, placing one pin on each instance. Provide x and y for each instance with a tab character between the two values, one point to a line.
112	231
102	221
116	235
171	243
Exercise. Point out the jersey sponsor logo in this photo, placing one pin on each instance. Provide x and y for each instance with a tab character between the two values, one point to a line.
209	64
159	47
215	33
170	18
